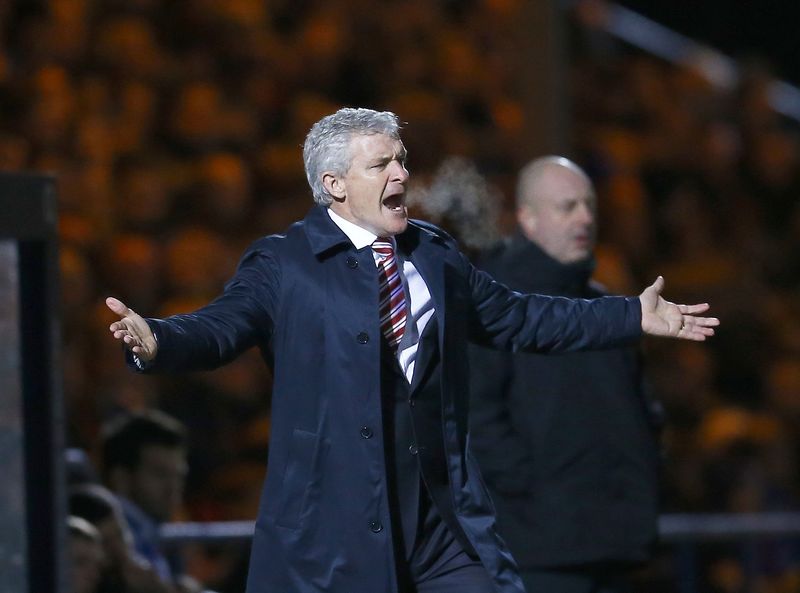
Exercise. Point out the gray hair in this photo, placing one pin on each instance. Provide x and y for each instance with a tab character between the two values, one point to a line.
530	174
327	145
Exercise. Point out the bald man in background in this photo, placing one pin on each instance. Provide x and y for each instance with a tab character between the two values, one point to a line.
567	444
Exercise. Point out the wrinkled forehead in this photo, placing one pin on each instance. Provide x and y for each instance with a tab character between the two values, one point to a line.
375	145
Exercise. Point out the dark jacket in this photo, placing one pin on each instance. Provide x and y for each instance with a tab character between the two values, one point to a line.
309	299
566	443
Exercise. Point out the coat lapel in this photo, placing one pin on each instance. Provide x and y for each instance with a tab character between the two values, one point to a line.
424	250
427	353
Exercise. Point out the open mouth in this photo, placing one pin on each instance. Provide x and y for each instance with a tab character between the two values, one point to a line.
395	203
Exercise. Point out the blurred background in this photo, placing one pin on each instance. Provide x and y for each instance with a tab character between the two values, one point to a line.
174	129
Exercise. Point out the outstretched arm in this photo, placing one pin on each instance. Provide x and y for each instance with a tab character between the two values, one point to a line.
132	330
662	318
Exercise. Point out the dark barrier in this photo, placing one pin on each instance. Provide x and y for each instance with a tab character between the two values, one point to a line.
31	491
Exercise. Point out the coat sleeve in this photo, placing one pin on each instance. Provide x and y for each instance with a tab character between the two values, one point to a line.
241	317
508	320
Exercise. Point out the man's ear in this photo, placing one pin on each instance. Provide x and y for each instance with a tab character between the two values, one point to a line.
527	221
334	185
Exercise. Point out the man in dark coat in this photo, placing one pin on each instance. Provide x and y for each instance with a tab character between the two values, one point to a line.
364	317
566	444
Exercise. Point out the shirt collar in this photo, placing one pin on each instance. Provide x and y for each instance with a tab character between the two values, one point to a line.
359	236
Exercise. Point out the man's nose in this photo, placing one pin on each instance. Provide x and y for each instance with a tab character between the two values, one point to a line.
585	214
399	172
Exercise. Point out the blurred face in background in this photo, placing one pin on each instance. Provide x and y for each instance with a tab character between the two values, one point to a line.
557	211
159	481
87	561
156	484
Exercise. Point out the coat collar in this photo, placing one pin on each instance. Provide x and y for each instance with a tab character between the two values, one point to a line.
416	234
323	234
527	268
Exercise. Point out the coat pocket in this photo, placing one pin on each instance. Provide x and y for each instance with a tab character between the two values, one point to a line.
302	464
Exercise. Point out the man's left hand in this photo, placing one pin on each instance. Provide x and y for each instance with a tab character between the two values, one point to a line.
662	318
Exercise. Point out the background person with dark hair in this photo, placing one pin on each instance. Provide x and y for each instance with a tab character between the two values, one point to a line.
86	556
144	464
566	443
124	570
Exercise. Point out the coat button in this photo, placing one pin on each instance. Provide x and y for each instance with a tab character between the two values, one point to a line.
411	401
366	432
352	262
362	338
375	526
413	449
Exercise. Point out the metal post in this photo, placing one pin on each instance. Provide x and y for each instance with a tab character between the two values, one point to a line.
31	410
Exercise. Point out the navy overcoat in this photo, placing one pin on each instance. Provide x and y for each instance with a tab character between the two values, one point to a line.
309	300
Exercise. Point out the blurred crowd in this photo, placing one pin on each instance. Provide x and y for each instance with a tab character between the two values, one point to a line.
174	131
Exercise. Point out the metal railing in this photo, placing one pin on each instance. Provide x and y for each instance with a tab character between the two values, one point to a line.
673	529
685	532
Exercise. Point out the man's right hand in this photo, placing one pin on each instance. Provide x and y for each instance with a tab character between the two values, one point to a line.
133	330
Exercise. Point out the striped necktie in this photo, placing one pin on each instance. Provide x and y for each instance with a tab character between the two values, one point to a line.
391	297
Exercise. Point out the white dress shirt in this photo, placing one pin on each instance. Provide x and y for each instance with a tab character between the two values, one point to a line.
419	305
